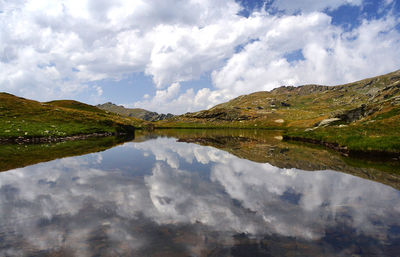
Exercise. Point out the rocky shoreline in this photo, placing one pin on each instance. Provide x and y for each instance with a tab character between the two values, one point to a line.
39	140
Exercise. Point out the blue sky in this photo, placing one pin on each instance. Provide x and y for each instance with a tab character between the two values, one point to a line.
178	56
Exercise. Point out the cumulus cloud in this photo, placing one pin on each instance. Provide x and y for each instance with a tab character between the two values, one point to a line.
58	49
331	56
49	46
173	100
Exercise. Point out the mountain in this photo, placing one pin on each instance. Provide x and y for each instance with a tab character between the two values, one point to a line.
25	120
134	112
359	116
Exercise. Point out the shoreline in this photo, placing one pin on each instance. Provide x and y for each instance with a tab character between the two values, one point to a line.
50	139
374	154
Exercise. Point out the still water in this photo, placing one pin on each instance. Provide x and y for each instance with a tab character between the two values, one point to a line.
206	196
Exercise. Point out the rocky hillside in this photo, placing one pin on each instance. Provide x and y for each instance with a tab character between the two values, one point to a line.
134	112
360	115
306	105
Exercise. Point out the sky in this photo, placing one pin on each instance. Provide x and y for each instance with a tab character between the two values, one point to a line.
181	56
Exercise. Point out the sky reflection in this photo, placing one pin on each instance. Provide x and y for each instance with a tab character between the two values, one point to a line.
170	198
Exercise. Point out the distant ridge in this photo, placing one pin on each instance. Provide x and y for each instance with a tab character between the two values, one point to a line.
134	112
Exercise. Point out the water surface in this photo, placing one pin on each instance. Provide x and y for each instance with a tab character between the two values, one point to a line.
219	195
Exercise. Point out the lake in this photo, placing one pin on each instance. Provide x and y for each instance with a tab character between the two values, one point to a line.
196	193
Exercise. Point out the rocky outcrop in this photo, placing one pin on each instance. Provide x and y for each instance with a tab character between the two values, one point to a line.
153	116
355	114
220	114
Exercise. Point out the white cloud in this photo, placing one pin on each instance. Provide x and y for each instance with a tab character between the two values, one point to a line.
57	49
183	53
331	56
54	44
172	100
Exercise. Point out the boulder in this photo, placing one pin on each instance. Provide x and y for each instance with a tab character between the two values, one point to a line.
327	122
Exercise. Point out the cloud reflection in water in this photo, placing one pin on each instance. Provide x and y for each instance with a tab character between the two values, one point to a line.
178	198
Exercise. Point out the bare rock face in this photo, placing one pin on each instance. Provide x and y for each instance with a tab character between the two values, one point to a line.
162	116
355	114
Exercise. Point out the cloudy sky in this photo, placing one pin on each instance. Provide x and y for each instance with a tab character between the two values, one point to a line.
186	55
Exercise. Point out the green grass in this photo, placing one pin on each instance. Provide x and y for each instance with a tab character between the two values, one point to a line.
71	104
20	117
388	114
381	135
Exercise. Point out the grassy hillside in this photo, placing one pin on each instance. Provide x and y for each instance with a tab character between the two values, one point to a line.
21	117
71	104
359	116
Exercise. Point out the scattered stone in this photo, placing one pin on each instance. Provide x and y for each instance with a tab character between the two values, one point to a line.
279	121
